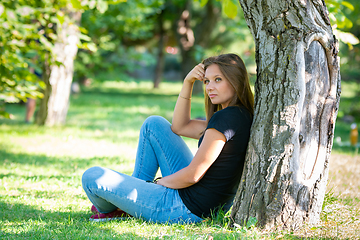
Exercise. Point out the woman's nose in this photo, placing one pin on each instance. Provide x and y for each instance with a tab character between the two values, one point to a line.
209	86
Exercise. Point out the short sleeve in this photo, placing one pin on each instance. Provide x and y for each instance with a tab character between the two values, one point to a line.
223	122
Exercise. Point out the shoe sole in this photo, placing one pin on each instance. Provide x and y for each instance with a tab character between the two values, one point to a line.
106	219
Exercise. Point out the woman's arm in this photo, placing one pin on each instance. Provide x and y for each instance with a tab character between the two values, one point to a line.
182	123
210	148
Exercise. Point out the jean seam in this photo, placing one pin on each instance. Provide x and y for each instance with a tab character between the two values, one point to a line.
141	160
162	151
142	156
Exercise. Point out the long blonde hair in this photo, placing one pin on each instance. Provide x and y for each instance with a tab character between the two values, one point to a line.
234	70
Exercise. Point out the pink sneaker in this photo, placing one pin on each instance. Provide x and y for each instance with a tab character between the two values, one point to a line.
94	209
102	217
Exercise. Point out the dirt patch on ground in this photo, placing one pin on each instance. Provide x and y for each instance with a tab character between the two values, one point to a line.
344	175
340	218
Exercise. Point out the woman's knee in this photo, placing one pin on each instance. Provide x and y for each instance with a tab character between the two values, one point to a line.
91	174
156	121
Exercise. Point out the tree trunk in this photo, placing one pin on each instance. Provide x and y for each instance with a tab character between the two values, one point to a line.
297	94
55	104
161	55
189	37
187	64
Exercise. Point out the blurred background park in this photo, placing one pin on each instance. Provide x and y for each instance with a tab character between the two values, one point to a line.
95	70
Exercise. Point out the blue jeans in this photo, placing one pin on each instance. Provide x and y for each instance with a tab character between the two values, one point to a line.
158	148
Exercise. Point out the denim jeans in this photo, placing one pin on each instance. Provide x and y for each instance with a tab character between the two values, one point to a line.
158	148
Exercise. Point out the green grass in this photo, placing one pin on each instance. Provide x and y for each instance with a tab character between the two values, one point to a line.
40	169
40	176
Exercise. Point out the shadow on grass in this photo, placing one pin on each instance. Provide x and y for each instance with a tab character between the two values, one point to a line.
21	221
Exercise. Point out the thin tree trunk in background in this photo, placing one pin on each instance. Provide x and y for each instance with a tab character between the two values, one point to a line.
297	94
54	106
189	37
41	114
161	54
186	39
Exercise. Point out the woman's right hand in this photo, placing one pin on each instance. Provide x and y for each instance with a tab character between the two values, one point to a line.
182	124
197	73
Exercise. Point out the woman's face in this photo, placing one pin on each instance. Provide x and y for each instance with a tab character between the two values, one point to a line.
218	88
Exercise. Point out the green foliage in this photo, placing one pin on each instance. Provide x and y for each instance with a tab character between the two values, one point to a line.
126	35
116	35
339	11
229	7
22	48
350	54
27	36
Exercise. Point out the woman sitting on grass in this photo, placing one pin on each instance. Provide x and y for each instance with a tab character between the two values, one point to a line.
191	187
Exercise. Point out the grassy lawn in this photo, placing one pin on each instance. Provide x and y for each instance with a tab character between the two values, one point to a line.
40	170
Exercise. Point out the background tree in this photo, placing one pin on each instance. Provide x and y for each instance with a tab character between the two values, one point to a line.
195	37
297	93
33	35
194	33
58	72
161	49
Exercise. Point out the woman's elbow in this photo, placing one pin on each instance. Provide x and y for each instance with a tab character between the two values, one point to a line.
175	129
193	180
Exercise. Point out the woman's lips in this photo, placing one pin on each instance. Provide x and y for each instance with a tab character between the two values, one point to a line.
212	95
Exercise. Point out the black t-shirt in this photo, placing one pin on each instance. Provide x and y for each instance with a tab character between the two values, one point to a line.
219	184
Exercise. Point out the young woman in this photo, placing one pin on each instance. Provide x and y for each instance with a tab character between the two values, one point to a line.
191	187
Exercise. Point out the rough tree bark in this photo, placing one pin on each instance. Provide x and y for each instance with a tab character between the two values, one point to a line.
58	78
297	93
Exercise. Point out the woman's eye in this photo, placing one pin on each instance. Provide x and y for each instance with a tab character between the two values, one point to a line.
206	81
218	79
